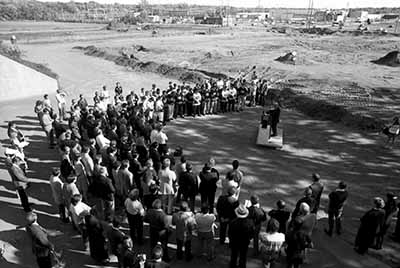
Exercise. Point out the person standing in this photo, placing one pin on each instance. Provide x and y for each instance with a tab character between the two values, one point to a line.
371	225
317	188
188	186
205	231
61	103
308	199
196	103
236	175
158	223
337	199
167	179
281	214
226	206
271	243
241	231
135	212
208	186
47	123
97	239
258	215
19	180
124	182
56	186
185	224
390	210
297	242
275	114
41	246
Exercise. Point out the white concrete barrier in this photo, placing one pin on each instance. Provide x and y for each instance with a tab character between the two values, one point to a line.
18	81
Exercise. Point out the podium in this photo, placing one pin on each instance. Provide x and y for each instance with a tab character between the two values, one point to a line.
264	137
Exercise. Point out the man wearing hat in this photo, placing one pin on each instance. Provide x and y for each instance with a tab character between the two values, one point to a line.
241	231
41	246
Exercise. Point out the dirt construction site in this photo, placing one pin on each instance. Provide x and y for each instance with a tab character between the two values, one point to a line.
335	102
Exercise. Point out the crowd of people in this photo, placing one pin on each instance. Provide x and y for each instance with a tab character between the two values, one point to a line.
116	168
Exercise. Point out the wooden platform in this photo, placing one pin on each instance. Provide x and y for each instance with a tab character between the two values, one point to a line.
264	139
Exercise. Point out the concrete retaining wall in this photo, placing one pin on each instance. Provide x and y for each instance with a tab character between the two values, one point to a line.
18	81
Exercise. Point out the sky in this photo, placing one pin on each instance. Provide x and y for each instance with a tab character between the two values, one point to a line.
264	3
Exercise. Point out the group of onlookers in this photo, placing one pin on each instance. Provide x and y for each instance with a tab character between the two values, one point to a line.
116	167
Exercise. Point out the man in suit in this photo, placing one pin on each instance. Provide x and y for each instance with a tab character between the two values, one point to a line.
317	188
275	114
19	180
41	246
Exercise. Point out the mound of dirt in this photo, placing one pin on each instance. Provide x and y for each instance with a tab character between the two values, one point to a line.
391	59
323	110
178	72
288	58
318	31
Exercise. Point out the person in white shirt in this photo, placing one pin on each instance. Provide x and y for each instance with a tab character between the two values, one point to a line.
78	211
87	162
159	110
61	103
47	102
102	141
161	138
196	102
149	108
205	231
167	185
105	96
135	212
271	243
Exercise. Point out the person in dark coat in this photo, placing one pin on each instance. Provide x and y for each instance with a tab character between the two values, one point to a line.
371	225
226	206
258	215
158	222
337	200
97	239
390	210
281	214
41	246
274	117
103	188
317	188
241	231
396	234
297	241
115	238
308	199
208	186
188	186
128	257
155	156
